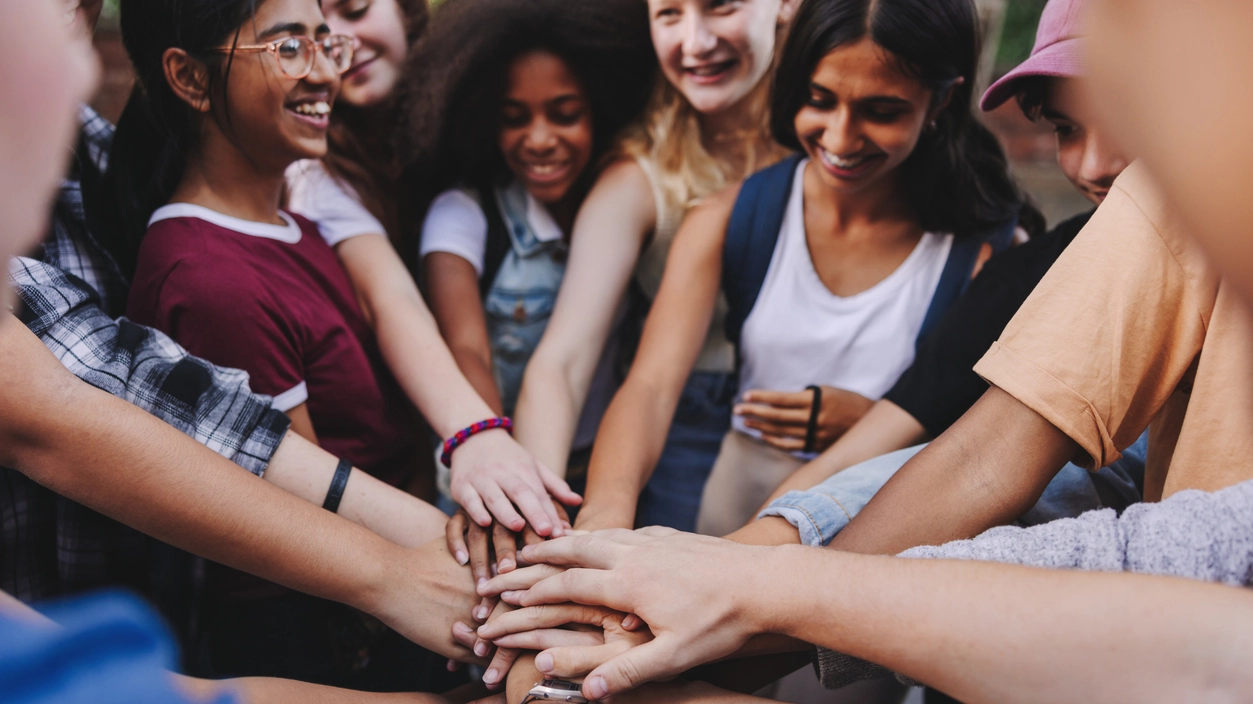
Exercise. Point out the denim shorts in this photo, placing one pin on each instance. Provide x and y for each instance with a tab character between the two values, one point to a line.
672	496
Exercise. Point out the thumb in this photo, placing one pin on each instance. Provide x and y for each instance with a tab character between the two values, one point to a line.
641	664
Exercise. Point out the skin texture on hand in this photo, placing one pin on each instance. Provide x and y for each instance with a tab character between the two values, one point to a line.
783	417
980	632
621	571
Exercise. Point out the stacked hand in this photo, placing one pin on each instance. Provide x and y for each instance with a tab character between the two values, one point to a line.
695	593
493	476
490	551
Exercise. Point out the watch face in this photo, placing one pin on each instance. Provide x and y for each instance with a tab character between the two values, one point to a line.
559	691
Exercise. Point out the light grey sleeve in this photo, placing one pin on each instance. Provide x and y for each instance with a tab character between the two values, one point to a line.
1193	534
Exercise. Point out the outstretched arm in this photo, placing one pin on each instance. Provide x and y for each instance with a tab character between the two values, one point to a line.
981	632
491	473
986	470
612	227
113	457
633	431
885	428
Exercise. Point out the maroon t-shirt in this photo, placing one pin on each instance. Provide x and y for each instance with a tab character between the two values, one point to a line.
274	301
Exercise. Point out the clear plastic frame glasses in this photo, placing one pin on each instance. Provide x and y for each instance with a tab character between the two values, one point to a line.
295	55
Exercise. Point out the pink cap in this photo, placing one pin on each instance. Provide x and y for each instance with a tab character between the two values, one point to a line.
1056	52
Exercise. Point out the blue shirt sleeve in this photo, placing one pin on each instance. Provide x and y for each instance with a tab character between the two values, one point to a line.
109	648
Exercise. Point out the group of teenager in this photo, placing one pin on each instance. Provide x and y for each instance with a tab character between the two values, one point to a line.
752	269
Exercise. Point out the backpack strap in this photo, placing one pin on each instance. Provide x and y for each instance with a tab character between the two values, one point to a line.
960	265
751	237
498	242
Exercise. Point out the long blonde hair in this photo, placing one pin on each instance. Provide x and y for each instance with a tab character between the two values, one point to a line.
670	136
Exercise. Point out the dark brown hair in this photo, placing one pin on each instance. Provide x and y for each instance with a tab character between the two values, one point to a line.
362	141
957	178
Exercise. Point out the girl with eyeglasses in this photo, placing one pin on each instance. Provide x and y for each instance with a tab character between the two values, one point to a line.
229	95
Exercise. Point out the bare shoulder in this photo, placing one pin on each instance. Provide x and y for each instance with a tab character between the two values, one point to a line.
623	186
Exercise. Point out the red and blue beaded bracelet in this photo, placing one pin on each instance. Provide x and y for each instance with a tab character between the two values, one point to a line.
459	439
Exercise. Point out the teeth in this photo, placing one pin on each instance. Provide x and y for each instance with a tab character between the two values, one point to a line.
314	109
711	70
839	163
545	169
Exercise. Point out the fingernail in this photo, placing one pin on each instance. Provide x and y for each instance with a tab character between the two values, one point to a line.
491	676
544	663
508	595
495	570
452	666
597	687
462	558
480	649
480	613
482	583
459	626
506	564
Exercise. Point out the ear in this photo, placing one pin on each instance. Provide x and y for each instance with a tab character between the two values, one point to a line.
946	100
787	10
188	78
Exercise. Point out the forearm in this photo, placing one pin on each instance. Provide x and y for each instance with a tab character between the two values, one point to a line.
476	367
435	381
269	690
985	471
995	633
306	470
548	413
111	456
631	437
885	428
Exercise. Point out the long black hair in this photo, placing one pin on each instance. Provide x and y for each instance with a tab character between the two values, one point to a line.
157	129
957	177
458	75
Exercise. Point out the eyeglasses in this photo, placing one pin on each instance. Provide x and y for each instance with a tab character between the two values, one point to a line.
295	55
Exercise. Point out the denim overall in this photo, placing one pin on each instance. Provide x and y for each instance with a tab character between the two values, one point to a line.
520	300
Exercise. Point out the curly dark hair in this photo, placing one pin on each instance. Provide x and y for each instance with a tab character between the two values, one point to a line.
457	77
957	178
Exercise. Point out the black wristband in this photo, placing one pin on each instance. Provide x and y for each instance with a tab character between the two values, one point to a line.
811	428
336	493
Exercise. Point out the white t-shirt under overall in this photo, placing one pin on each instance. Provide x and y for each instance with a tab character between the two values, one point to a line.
799	333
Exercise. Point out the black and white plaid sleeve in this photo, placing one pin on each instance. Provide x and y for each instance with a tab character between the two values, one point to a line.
213	405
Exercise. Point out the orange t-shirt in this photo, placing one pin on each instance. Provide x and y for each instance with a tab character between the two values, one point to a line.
1133	326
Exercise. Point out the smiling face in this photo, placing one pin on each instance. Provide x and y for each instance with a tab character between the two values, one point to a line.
59	71
863	117
1085	153
379	27
274	119
545	126
715	51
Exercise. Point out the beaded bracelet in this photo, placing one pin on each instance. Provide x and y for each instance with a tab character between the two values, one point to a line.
459	439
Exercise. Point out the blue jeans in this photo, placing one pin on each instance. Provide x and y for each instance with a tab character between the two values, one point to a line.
672	496
822	512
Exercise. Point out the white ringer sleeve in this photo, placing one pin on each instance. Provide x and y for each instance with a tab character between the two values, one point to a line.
455	224
332	205
291	398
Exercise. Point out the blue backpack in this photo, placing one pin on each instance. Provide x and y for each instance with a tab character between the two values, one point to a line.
754	230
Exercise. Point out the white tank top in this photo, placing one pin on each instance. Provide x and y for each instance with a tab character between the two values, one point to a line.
799	333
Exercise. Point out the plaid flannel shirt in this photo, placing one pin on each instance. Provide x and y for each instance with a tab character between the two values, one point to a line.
71	295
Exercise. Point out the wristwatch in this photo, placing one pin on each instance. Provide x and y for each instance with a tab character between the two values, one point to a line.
556	691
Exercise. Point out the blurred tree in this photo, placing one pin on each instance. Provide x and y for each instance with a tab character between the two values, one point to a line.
1018	33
